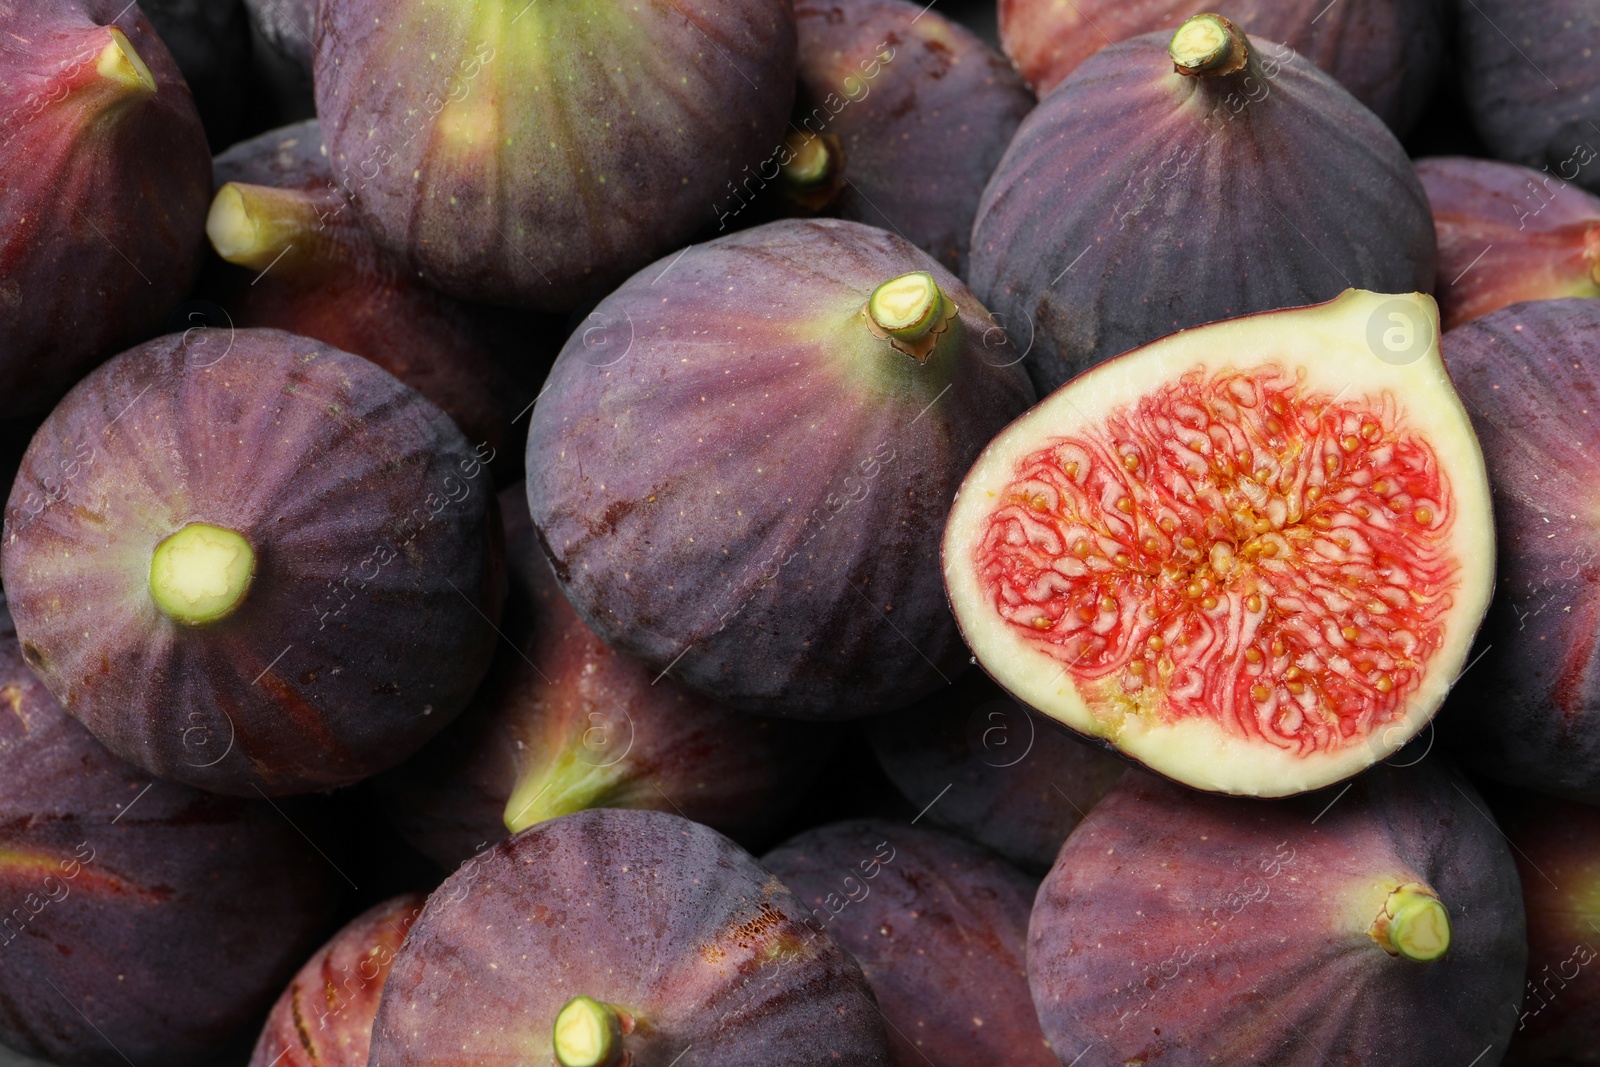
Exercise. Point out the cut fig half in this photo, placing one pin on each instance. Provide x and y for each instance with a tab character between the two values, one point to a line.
1251	556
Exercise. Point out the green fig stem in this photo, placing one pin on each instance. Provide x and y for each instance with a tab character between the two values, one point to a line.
1413	924
120	64
201	573
259	226
812	171
571	783
588	1033
1209	46
911	312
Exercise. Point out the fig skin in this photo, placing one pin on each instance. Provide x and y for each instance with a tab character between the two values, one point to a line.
775	544
940	928
1135	201
1017	782
662	917
501	168
324	1018
103	191
328	467
1508	234
921	137
1182	928
1388	53
167	916
564	723
1530	714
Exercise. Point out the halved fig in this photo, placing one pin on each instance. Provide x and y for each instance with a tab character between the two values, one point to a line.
1508	234
1380	924
740	471
253	563
608	938
1251	556
1179	179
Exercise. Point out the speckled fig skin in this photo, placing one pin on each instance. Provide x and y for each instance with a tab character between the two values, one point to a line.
539	155
1017	782
290	157
1529	377
324	1018
103	193
921	136
1531	82
940	929
564	723
1136	201
166	916
378	561
1508	234
665	918
1183	928
736	480
1386	52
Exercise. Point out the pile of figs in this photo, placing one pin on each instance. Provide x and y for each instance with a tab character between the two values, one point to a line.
812	533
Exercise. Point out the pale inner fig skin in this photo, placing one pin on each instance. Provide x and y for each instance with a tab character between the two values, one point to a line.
1235	546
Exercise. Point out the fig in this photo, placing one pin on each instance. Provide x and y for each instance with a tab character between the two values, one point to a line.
623	937
1262	183
988	769
1379	924
254	563
324	1018
501	167
940	930
1386	52
1508	234
1532	90
1251	556
564	723
1531	715
104	177
885	87
141	919
694	446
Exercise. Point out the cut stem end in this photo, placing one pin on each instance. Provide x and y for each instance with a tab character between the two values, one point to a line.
255	225
588	1033
1208	45
201	573
1413	924
120	63
910	312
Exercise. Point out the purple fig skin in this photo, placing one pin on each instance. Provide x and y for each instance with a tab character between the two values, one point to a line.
1388	53
1017	783
922	109
324	1018
1530	713
103	192
290	157
940	928
501	167
329	467
137	914
1508	234
664	918
744	485
1181	928
1136	201
567	723
1531	83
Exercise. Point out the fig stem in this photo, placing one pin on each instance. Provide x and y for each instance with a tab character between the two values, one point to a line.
810	160
120	63
201	573
588	1033
572	784
910	312
1413	924
255	226
1208	45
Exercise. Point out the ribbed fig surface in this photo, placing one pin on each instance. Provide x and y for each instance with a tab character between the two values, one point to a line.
738	481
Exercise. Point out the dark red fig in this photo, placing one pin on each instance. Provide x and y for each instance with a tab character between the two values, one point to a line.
623	937
1386	52
254	563
984	766
104	177
1139	199
1251	556
1530	713
538	154
1508	234
563	723
901	117
1376	926
324	1018
142	921
940	929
